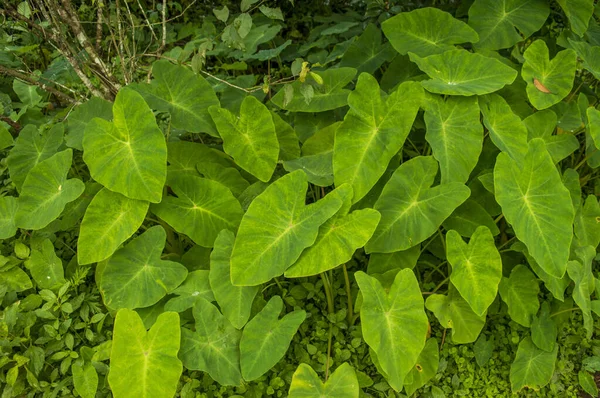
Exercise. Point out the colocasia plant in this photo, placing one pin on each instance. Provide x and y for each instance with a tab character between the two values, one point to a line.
442	165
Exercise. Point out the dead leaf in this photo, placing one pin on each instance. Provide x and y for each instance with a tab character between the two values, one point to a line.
540	86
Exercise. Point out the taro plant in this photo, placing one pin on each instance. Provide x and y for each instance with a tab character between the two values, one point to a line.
443	165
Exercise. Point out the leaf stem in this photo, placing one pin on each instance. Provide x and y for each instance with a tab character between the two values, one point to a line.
350	314
563	311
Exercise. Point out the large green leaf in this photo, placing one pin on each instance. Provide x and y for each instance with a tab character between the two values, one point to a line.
182	93
520	293
532	367
593	126
196	285
46	191
213	347
469	216
476	267
459	72
227	176
289	147
581	273
544	329
394	324
455	135
366	53
318	168
373	131
144	364
276	228
579	13
587	223
453	312
411	210
129	154
266	338
590	56
425	369
555	76
109	220
136	277
184	156
504	23
330	95
380	263
78	120
538	206
427	31
45	266
32	147
8	210
342	383
201	209
338	239
249	138
235	301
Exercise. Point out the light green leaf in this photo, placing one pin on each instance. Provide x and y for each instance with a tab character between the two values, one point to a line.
411	210
32	147
330	95
136	277
276	228
272	13
556	75
427	31
85	380
289	147
6	138
222	14
540	124
538	206
579	13
589	54
467	217
532	367
318	168
46	191
581	273
483	350
394	324
341	384
145	364
338	239
8	210
28	94
201	209
81	116
184	156
227	176
266	338
587	223
250	139
195	285
459	72
476	267
455	135
544	330
15	279
373	131
380	263
502	24
109	220
366	53
506	129
128	155
235	301
587	382
593	126
425	369
453	312
520	293
213	347
185	95
45	266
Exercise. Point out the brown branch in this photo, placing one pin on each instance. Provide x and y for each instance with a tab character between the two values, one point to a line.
25	78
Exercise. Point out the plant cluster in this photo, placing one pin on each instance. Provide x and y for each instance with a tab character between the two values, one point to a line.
243	199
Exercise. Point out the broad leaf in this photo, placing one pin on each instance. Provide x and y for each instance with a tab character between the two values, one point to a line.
380	263
587	223
196	285
318	168
579	13
46	267
46	191
411	210
532	367
249	138
213	347
81	116
184	156
8	210
548	81
581	273
288	140
144	364
136	277
235	301
476	268
459	72
520	293
85	380
266	338
425	369
469	216
341	384
537	205
109	220
227	176
593	126
502	24
427	31
366	53
338	239
544	330
129	154
394	324
185	95
455	135
276	228
373	131
201	209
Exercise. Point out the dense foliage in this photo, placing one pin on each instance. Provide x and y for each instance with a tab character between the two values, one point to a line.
304	199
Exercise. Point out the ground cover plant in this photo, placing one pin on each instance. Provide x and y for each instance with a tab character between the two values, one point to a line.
264	198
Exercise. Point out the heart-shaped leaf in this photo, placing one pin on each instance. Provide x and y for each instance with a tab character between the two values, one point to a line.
425	369
196	285
342	383
366	53
544	330
144	364
184	156
46	267
129	154
81	116
519	292
532	367
579	13
585	284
